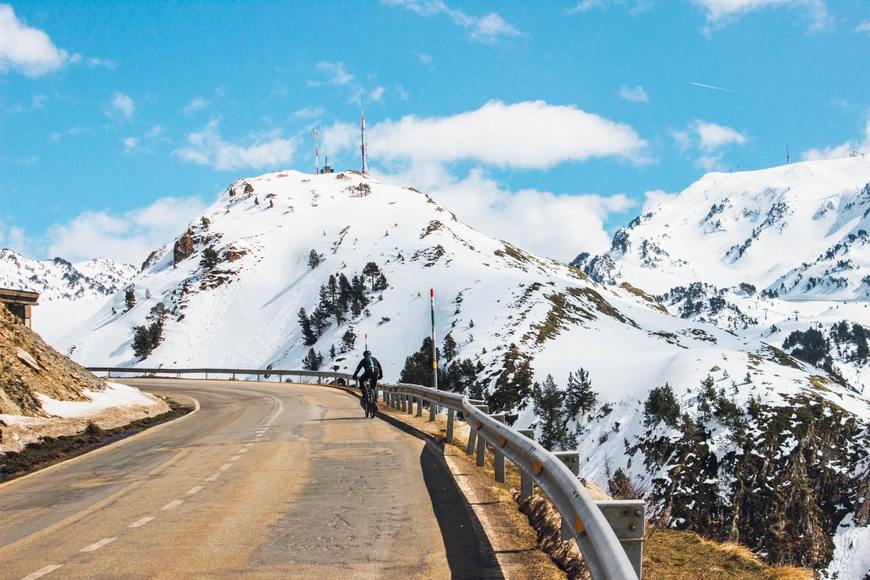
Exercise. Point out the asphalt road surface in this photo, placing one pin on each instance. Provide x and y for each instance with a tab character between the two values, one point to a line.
265	480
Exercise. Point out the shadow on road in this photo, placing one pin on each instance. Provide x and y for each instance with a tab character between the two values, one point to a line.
469	553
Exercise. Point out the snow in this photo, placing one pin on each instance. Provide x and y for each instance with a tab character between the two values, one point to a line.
851	551
115	395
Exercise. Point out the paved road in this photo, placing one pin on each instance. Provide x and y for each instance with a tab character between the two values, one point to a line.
265	480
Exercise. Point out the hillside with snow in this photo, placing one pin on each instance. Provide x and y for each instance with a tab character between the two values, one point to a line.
68	293
359	257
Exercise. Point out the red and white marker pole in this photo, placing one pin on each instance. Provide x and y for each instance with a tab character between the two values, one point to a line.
434	344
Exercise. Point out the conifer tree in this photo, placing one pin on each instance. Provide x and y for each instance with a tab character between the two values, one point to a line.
312	360
449	347
314	259
130	297
308	334
579	398
551	415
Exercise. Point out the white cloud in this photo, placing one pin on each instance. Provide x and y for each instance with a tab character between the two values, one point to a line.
195	104
712	136
654	198
859	146
130	144
126	237
527	217
863	27
101	62
13	237
424	58
488	29
308	113
26	49
123	105
332	73
207	147
586	5
709	139
634	94
530	134
721	12
376	94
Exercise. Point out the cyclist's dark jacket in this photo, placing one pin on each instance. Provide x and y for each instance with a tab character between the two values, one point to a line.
371	368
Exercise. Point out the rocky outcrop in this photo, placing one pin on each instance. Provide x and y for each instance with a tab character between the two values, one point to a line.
184	247
28	366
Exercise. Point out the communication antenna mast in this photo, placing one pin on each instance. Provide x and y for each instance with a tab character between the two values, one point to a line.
787	154
362	130
315	133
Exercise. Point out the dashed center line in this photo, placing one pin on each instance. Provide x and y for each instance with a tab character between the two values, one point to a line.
249	444
242	450
141	522
212	477
235	457
97	545
194	489
226	466
42	572
173	504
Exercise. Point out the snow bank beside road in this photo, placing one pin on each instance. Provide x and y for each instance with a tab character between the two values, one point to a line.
118	405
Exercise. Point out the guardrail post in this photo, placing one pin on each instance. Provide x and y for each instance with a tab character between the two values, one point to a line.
497	453
572	460
627	518
419	406
472	438
433	409
451	417
527	483
481	442
410	404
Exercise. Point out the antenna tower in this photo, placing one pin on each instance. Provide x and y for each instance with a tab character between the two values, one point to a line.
362	129
315	133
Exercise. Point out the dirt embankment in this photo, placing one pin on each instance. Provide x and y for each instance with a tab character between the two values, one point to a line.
29	366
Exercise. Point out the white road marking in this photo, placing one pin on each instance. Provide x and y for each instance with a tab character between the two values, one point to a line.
242	450
42	572
249	444
194	489
141	522
97	545
235	457
226	466
212	477
173	504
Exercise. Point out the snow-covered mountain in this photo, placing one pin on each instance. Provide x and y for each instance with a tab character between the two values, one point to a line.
780	255
68	293
59	279
360	257
798	231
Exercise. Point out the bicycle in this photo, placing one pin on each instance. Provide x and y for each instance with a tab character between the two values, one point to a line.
370	395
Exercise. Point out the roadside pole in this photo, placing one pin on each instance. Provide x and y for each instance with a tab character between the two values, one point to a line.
434	347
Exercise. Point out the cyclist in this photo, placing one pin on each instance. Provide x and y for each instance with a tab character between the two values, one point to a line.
371	372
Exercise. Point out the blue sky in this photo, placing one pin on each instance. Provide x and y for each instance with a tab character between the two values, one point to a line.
120	120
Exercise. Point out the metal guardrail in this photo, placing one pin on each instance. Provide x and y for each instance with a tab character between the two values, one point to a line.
608	533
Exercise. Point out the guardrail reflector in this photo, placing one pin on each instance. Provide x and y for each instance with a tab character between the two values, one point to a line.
501	441
578	525
537	467
479	424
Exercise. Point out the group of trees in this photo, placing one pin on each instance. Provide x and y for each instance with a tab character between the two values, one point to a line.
148	336
339	297
812	346
556	408
454	374
210	258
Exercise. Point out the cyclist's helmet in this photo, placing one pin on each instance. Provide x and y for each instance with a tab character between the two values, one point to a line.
367	353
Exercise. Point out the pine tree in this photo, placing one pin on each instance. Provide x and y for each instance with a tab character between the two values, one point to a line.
344	293
348	340
380	284
661	405
579	398
320	319
308	334
418	366
209	258
371	270
449	347
314	259
513	388
551	415
312	360
332	352
130	297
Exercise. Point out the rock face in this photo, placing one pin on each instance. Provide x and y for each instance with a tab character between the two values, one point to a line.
40	369
183	247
